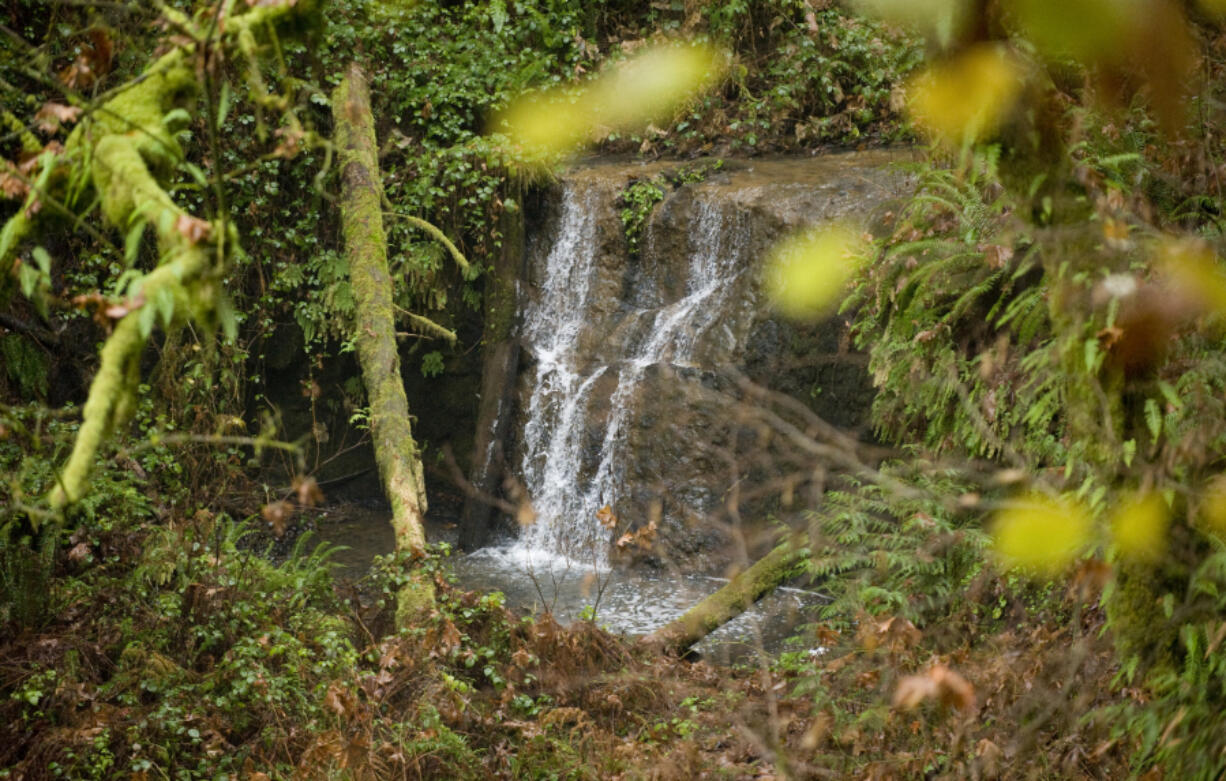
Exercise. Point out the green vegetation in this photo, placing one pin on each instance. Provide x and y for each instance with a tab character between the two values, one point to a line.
1042	322
640	197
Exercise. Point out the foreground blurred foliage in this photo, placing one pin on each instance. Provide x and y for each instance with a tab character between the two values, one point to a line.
1049	302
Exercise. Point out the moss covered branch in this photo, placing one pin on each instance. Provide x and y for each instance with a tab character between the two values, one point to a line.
435	233
121	151
735	598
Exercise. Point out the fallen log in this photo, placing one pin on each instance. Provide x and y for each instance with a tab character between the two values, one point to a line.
727	603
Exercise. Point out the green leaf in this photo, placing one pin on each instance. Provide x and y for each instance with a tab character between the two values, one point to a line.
223	103
227	318
43	259
131	242
1092	354
432	364
498	14
196	173
1153	418
178	115
28	278
164	304
1168	392
145	320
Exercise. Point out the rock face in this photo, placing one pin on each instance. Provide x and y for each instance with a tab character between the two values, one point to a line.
633	397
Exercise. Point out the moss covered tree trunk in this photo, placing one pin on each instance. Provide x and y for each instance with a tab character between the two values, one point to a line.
499	367
374	330
730	601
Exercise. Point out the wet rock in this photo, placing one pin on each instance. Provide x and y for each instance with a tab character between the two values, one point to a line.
634	398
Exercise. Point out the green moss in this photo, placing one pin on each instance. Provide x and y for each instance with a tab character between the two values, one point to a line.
1142	633
414	600
373	328
140	111
25	363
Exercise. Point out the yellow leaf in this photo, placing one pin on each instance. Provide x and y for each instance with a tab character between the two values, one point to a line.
1086	30
1214	7
1041	534
806	273
1195	271
647	87
651	85
1213	505
939	20
548	125
1139	527
967	97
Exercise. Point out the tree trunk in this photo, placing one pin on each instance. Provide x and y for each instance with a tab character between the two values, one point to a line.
729	602
500	363
374	330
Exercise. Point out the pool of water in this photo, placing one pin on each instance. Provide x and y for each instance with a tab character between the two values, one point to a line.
633	602
630	602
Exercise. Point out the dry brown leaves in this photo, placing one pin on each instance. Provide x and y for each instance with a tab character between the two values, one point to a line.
941	684
12	187
92	63
278	515
307	491
895	634
606	517
193	229
52	116
291	142
643	537
105	311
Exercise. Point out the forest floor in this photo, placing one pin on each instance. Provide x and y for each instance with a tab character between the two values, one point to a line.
221	664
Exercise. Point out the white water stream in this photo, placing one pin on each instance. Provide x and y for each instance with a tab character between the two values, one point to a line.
564	411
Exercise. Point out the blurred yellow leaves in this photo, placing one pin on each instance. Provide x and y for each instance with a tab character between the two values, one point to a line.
938	20
1085	30
806	273
1041	534
647	87
1139	527
1194	270
967	97
1213	506
1214	7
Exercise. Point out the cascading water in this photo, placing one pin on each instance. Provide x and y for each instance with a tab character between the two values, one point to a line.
564	409
622	357
552	446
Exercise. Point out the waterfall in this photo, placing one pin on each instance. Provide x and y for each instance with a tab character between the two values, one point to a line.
570	405
552	434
